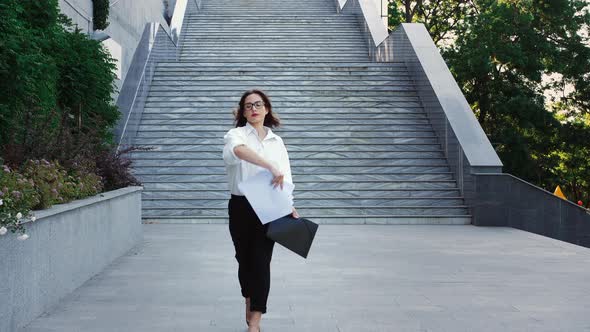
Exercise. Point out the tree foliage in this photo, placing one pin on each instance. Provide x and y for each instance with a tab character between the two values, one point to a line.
440	17
502	53
56	84
500	57
100	11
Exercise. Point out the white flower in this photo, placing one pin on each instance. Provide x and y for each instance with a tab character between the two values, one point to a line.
33	218
3	230
22	237
19	215
1	202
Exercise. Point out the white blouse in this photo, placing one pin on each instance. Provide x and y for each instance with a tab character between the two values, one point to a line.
270	148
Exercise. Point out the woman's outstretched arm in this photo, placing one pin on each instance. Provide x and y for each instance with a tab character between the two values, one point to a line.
245	153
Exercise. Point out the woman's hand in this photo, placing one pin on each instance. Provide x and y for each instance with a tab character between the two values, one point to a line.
295	214
277	178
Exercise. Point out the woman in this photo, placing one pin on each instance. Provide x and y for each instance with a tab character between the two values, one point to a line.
250	148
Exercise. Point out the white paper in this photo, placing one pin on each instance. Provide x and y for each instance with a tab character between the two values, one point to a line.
269	203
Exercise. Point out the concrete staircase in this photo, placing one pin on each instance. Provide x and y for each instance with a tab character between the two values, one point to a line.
362	149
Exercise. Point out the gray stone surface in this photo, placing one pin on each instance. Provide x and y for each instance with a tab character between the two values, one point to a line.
357	278
505	200
69	243
465	145
350	125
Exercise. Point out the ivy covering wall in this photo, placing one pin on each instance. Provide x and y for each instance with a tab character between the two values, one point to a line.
100	10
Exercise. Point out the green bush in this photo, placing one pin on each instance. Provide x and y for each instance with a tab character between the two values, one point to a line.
100	9
88	183
40	185
52	183
55	104
17	195
61	102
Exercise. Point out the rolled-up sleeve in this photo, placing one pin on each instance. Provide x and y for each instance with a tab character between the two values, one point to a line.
232	139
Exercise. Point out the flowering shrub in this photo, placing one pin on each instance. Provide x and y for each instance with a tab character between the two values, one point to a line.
41	185
83	173
17	197
52	183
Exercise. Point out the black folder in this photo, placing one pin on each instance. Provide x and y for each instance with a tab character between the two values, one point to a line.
293	234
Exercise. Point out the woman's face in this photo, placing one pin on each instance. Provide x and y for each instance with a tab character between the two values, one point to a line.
254	109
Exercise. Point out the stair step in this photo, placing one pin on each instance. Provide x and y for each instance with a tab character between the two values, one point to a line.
275	73
303	163
211	40
308	178
298	129
293	155
342	109
324	142
314	76
304	148
273	53
326	219
290	116
313	194
184	203
297	171
239	83
366	211
259	11
327	66
286	104
360	185
287	134
246	84
275	47
162	90
282	19
273	59
232	31
290	96
291	123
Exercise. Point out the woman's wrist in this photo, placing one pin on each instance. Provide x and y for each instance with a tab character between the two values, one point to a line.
275	171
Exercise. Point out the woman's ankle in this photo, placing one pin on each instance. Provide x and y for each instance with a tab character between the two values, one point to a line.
255	317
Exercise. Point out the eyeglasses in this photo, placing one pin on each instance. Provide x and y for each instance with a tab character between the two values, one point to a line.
257	105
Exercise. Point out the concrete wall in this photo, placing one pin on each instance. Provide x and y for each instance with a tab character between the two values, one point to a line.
68	244
127	20
368	13
505	200
465	144
80	11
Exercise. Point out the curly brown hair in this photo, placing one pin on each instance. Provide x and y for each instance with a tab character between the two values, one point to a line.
270	120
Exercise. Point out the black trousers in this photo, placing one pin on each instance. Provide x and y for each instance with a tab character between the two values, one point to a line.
253	252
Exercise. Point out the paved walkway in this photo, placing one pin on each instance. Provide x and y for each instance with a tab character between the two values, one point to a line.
358	278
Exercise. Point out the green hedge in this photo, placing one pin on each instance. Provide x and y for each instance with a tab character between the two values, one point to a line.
56	86
100	9
56	112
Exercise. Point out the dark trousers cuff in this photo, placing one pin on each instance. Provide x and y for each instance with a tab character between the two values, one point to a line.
254	307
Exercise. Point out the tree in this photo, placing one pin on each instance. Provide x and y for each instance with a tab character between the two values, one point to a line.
56	85
500	56
573	154
440	17
565	25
